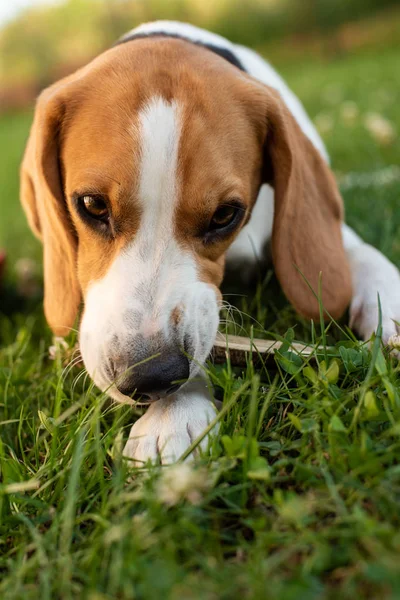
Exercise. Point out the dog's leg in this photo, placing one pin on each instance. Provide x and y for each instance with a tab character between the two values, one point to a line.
170	425
372	274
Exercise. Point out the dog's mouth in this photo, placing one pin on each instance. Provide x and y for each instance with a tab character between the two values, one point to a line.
144	399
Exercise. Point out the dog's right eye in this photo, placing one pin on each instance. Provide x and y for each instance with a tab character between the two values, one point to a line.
95	206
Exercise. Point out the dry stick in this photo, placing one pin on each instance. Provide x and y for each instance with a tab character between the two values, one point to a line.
236	347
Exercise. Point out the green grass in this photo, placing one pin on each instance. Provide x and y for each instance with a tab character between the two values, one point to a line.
300	495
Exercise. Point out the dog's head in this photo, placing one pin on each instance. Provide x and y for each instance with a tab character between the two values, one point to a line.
140	171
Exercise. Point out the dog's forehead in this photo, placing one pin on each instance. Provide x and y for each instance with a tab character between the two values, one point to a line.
104	113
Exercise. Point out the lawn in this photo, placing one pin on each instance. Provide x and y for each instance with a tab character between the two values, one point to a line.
300	495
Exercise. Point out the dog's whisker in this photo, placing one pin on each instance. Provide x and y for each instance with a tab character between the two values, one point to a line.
243	315
66	371
74	361
77	378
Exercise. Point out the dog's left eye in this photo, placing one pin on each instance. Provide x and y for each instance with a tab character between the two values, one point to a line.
223	216
224	220
95	206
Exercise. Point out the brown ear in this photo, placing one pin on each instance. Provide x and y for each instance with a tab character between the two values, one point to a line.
306	238
43	200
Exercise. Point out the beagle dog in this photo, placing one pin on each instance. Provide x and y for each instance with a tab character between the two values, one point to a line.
146	171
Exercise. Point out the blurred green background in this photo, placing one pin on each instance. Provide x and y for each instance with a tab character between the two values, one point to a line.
341	57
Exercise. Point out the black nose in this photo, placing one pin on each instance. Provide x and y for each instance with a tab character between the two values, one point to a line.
159	376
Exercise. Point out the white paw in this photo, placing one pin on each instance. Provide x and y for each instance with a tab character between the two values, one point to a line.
170	425
374	274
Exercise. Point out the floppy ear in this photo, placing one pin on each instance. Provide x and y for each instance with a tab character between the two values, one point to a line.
306	238
43	200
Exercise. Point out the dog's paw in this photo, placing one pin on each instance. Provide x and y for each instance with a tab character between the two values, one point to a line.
364	318
374	274
170	426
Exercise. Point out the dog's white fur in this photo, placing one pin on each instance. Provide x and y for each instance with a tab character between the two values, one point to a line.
372	274
169	425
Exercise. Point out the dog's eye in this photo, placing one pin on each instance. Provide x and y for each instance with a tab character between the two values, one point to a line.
95	206
223	216
225	219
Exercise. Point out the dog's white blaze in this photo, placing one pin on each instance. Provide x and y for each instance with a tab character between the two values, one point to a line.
167	266
159	124
153	275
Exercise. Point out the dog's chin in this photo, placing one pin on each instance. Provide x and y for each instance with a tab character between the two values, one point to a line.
113	392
